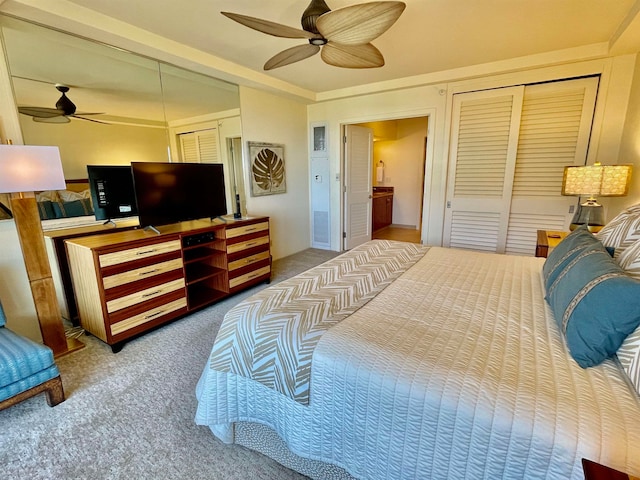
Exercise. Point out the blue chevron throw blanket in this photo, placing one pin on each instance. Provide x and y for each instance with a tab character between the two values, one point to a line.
271	336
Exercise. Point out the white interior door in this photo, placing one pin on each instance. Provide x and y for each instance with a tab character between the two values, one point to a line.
358	158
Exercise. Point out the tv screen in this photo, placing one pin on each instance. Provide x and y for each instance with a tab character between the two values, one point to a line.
174	192
112	191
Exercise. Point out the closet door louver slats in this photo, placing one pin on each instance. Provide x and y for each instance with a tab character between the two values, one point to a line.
200	146
554	132
484	143
509	148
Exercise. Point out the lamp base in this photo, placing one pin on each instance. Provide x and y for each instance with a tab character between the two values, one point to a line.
590	213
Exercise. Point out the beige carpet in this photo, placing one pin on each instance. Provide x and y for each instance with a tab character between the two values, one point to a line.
130	415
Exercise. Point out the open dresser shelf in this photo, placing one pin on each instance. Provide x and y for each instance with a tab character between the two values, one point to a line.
126	283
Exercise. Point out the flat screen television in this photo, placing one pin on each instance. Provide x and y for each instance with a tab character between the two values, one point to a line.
175	192
112	191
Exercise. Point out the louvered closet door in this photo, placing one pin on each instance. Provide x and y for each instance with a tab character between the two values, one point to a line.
555	127
200	146
549	125
484	140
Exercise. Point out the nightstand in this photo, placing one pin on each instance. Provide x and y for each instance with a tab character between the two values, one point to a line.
595	471
547	241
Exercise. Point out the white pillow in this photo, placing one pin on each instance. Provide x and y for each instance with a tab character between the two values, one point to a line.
622	231
48	195
629	356
69	196
629	260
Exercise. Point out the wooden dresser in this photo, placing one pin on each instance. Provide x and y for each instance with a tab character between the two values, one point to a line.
128	282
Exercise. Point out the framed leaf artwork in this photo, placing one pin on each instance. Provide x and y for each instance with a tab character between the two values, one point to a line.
267	168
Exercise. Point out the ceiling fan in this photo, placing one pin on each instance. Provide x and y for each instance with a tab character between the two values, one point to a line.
344	34
65	109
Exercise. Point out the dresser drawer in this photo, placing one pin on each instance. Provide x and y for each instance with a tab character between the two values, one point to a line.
138	253
234	282
141	273
238	247
239	231
148	316
144	295
243	262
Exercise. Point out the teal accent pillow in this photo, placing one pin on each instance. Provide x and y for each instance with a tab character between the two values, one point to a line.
76	208
596	305
571	246
45	209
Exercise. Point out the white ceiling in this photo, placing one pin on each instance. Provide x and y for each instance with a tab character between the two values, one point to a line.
430	36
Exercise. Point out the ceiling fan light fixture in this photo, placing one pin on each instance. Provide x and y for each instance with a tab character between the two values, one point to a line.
318	41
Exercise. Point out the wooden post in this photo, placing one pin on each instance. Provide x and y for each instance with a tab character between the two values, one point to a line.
27	219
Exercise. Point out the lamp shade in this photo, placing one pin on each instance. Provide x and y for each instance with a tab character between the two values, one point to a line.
597	180
584	180
615	180
28	168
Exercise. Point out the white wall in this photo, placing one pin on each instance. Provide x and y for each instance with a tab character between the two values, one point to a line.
404	160
15	293
629	149
85	143
421	101
273	119
435	101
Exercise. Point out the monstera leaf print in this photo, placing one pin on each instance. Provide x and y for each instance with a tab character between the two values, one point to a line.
268	170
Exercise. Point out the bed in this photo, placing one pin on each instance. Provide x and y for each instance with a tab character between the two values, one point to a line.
397	360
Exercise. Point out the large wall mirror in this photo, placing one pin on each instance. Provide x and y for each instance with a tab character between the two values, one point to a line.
128	107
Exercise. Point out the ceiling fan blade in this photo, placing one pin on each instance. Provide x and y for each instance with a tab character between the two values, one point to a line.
58	119
291	55
352	56
40	112
359	24
89	119
87	113
270	28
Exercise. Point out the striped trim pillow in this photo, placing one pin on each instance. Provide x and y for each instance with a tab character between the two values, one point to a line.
629	356
629	260
622	231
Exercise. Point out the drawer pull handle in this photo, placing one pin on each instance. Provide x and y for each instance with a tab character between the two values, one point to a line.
251	244
154	315
145	252
151	294
253	275
149	272
250	260
251	229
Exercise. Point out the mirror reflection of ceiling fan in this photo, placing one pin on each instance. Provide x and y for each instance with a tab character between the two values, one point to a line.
64	111
344	34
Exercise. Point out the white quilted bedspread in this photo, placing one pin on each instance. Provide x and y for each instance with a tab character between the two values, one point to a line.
456	370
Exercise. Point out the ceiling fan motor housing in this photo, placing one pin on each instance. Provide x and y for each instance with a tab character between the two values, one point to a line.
311	14
64	104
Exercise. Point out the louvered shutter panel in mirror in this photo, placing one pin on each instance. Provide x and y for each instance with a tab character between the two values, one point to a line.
189	147
200	146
